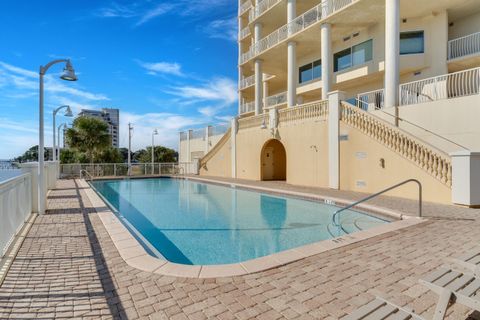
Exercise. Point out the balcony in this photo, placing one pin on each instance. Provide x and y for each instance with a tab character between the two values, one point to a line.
247	82
294	27
464	46
244	7
245	32
247	107
262	7
276	100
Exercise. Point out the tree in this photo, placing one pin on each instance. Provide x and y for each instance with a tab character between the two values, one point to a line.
68	156
110	155
89	136
162	154
32	155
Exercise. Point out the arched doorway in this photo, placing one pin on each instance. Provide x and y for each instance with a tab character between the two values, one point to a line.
273	161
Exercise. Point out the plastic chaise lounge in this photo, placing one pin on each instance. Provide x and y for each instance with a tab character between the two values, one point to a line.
450	285
470	261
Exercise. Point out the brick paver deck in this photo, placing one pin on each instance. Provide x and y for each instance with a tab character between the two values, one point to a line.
68	267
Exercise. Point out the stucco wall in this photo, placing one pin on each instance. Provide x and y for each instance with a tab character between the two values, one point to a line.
455	119
465	26
360	169
220	165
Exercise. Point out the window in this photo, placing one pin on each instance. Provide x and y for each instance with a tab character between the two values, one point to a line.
356	55
411	42
310	71
342	60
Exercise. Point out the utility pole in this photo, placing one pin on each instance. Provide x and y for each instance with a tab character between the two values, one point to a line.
130	129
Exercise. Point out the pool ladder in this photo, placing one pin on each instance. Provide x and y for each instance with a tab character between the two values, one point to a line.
336	221
85	173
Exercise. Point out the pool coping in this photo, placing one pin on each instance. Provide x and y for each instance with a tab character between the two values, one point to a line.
135	255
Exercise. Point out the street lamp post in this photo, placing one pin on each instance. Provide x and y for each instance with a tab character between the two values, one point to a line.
68	113
154	133
64	125
68	75
129	159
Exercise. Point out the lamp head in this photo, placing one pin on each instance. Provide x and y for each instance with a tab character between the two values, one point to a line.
68	72
155	132
264	125
68	112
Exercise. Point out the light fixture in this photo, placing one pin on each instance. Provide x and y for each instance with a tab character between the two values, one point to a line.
263	125
68	112
69	72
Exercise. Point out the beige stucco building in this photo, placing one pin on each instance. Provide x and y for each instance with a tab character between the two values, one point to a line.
357	95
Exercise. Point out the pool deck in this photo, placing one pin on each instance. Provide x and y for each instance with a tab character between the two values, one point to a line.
69	267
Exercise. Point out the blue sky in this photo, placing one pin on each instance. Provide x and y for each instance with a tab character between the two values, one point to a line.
166	64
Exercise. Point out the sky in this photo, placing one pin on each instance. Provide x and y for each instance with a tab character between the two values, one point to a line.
166	64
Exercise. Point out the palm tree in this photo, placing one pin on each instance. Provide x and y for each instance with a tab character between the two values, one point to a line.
89	135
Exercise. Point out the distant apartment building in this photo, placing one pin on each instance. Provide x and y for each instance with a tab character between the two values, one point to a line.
110	116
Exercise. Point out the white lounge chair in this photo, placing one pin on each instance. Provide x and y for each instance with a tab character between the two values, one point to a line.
450	285
470	261
380	309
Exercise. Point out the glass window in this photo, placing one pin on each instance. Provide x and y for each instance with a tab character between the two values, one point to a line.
306	73
411	42
317	69
342	60
362	52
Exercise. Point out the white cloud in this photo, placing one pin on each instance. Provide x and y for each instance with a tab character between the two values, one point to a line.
154	12
167	124
226	29
218	89
162	67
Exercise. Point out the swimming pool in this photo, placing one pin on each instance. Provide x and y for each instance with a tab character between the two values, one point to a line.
194	223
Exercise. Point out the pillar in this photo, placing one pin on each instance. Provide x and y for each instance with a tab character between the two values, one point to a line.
189	154
466	178
258	87
233	146
292	58
334	99
240	72
327	57
292	74
207	138
392	53
265	91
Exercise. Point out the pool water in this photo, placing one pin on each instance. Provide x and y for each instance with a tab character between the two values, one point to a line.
195	223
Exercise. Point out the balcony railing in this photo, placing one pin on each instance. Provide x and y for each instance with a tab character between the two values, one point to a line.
372	100
244	7
262	7
245	32
247	82
277	99
300	23
452	85
312	110
464	46
247	107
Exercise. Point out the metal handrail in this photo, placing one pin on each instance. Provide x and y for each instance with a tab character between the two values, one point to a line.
83	171
335	214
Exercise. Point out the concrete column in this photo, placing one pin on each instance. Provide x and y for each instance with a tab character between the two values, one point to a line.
240	71
292	74
180	157
207	139
258	87
265	91
257	32
466	178
291	10
392	52
189	154
233	146
327	57
334	99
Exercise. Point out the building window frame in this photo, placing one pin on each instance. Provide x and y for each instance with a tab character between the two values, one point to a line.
310	68
350	53
413	32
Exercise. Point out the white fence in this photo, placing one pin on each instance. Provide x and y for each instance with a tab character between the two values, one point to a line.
247	107
372	100
452	85
247	82
277	99
464	46
15	208
98	170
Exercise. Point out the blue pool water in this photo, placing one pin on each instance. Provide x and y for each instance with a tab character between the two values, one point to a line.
202	224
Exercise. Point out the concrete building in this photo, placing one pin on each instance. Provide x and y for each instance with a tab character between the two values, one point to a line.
110	116
357	95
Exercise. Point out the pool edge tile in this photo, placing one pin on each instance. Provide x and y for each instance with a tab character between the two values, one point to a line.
226	270
179	270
